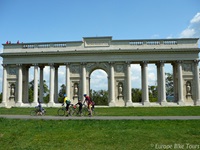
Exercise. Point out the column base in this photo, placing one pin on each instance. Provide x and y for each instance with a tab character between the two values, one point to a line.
112	104
129	103
18	104
197	103
34	104
163	103
50	104
181	103
3	104
146	103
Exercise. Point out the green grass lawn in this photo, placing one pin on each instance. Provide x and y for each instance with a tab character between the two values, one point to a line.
120	111
98	135
102	134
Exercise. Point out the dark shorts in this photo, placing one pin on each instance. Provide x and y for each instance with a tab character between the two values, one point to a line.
67	107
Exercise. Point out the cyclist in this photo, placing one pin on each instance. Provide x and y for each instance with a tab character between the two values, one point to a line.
40	109
89	103
80	106
68	102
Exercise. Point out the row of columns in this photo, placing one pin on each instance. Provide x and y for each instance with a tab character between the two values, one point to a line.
145	94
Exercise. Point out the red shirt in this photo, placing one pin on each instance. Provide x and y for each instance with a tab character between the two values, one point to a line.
88	100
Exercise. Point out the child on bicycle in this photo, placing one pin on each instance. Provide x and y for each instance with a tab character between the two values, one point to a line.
80	106
40	109
68	102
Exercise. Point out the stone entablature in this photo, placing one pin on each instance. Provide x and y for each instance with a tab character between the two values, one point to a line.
102	43
80	58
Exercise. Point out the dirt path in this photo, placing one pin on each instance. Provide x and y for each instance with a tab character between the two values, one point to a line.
103	117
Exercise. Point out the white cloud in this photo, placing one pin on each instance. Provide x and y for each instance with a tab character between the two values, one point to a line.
196	18
193	29
188	33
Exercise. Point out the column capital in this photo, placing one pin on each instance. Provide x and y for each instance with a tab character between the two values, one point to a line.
35	64
41	66
162	61
51	64
83	63
56	66
144	63
67	63
111	62
4	65
179	61
19	65
128	63
196	61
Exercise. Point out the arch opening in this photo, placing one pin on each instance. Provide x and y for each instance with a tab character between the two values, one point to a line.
99	87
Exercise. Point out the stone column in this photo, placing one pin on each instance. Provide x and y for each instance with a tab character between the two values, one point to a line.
112	87
52	77
19	98
56	84
180	84
145	89
162	83
128	82
41	83
35	96
196	79
67	81
175	82
26	84
83	80
158	82
4	86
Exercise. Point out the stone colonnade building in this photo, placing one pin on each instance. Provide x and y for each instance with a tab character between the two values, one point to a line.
115	57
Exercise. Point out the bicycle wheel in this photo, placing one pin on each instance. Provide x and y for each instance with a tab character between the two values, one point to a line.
85	111
43	112
71	111
94	112
61	112
33	113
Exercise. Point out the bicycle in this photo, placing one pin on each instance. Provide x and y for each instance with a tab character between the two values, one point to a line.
36	112
85	110
62	111
75	111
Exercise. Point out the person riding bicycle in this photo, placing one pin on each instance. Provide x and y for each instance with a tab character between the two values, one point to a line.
68	102
80	106
89	103
40	109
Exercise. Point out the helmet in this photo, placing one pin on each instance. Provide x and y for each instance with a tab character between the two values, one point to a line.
65	95
85	95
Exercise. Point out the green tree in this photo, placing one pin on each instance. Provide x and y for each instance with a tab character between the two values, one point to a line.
31	91
99	97
1	97
61	93
169	84
136	95
153	94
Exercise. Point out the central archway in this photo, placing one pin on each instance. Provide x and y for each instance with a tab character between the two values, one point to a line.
99	86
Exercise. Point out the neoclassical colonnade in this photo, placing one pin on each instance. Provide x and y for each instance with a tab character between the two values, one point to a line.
21	95
85	56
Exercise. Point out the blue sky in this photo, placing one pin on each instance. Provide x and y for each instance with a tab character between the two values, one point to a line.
65	20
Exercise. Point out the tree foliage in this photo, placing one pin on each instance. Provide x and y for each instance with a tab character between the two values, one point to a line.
169	84
1	97
136	95
61	93
45	91
99	97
